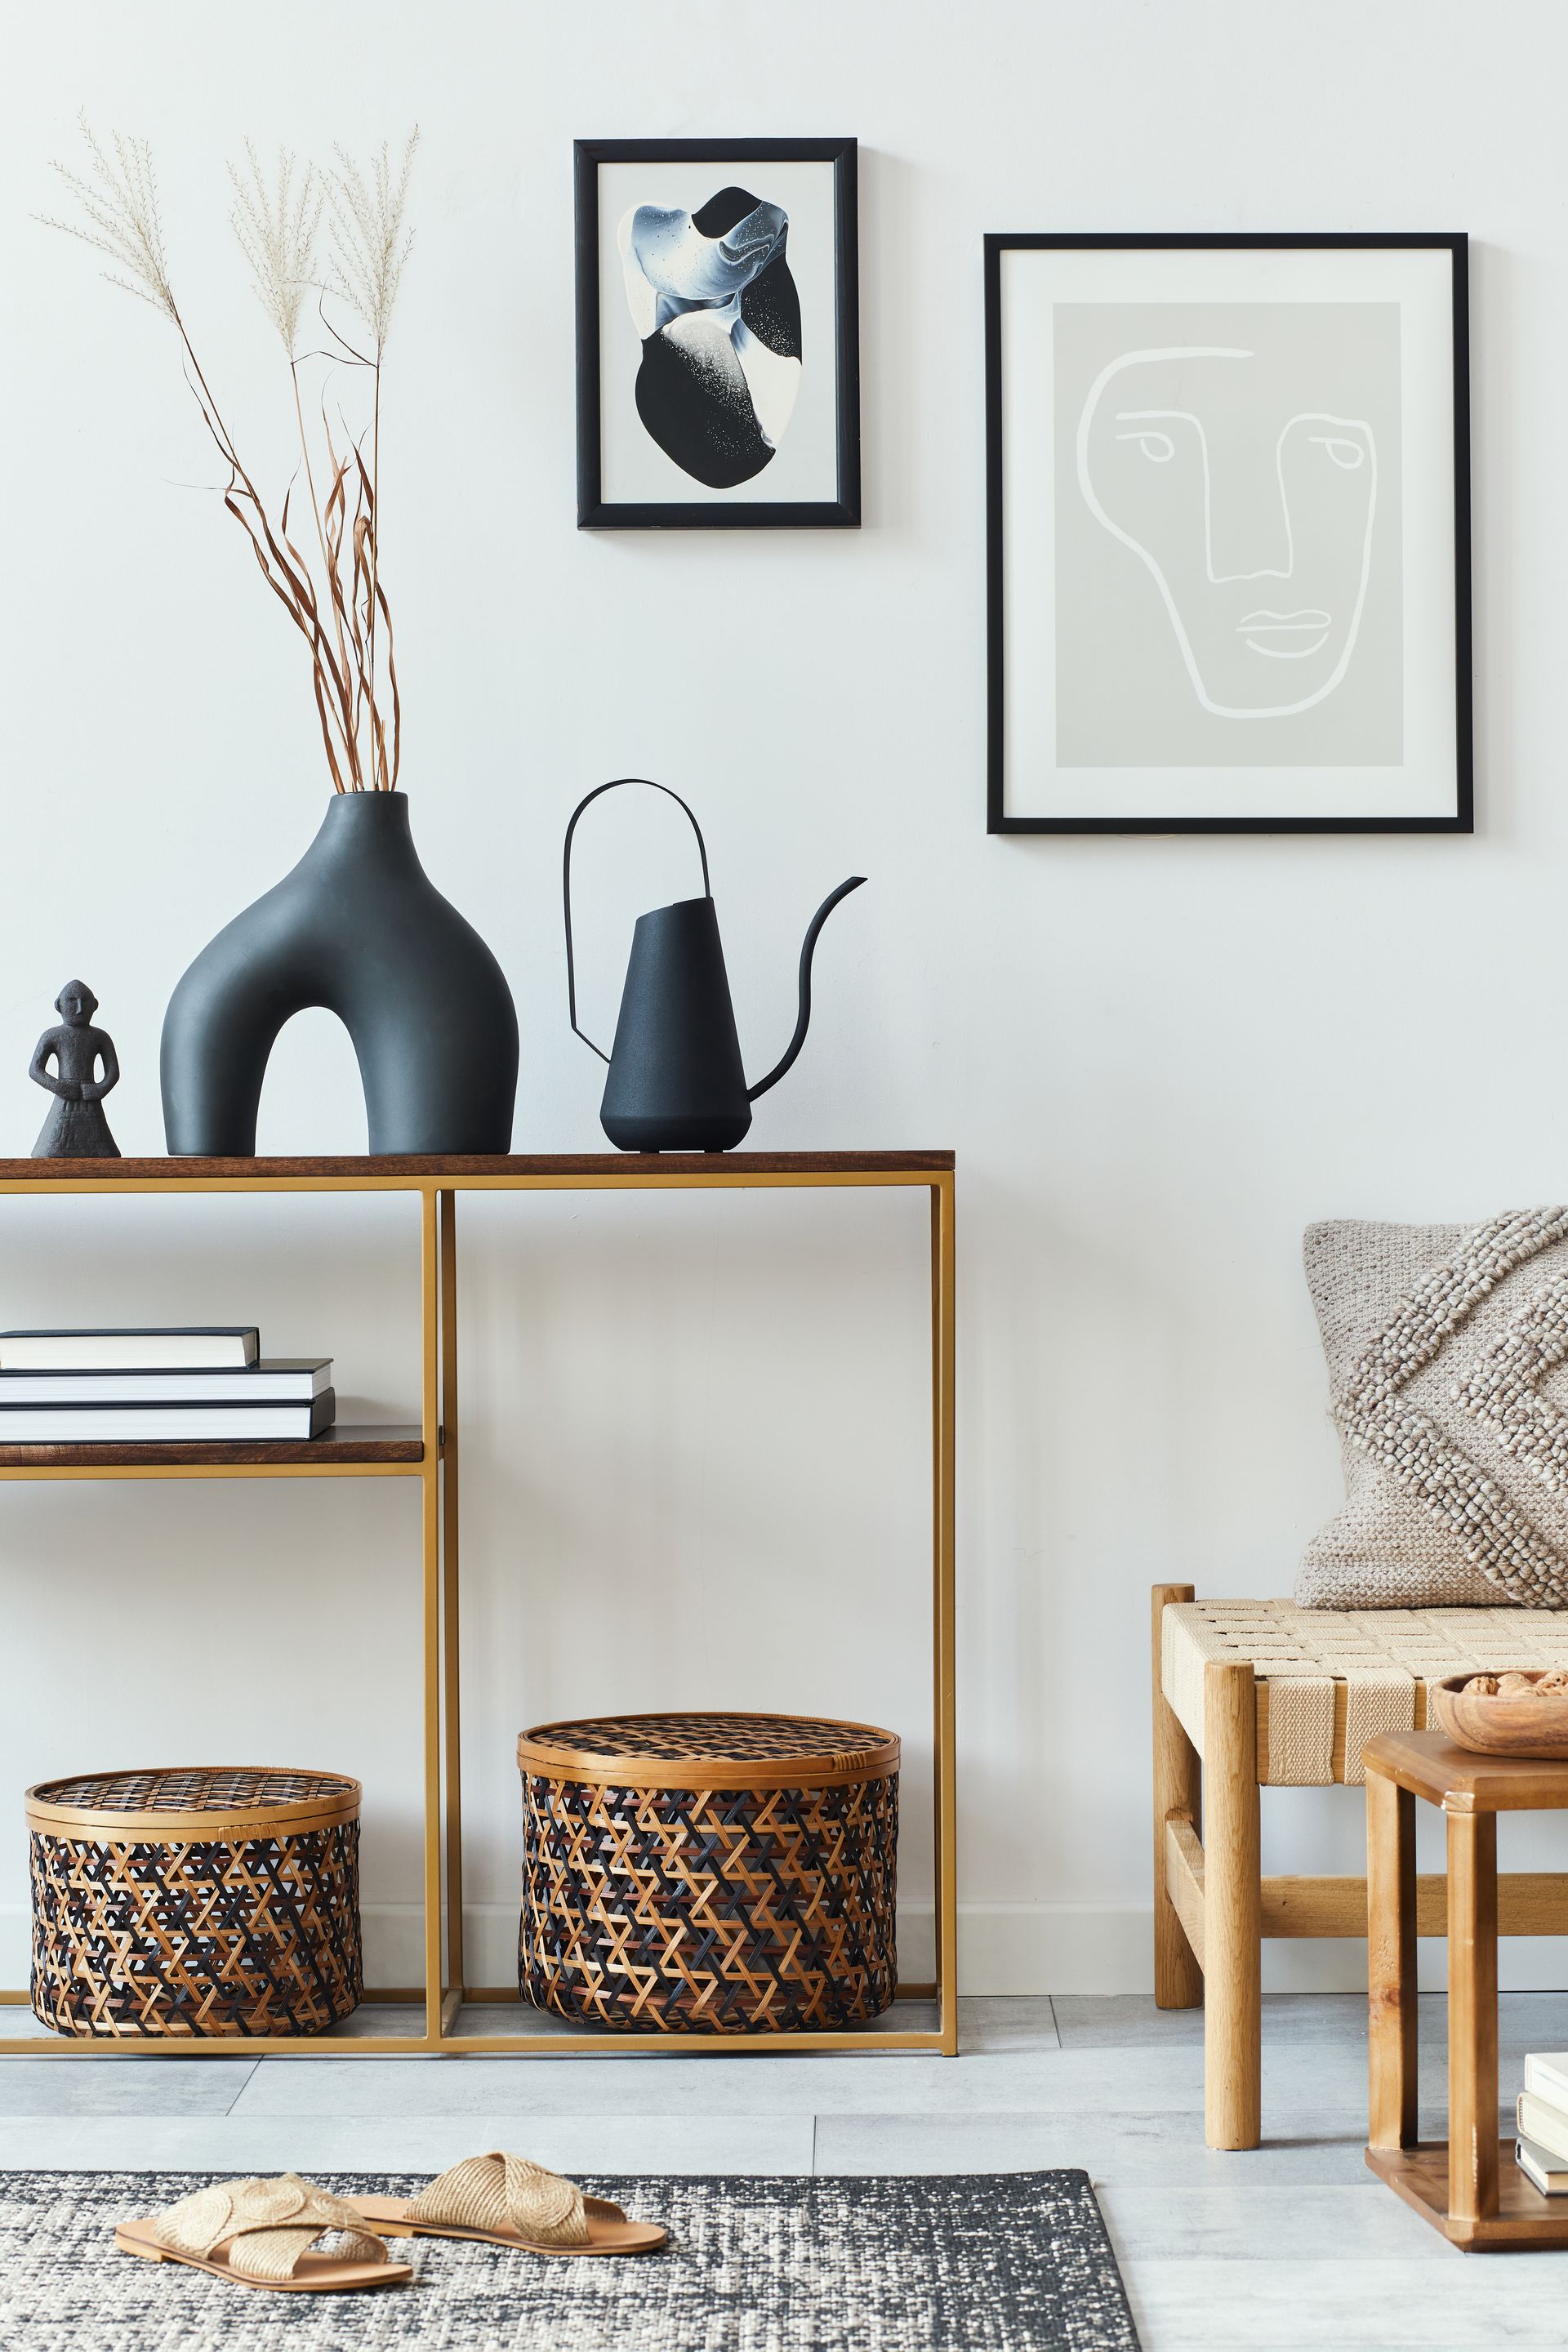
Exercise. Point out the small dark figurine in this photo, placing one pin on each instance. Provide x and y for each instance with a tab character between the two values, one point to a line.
76	1129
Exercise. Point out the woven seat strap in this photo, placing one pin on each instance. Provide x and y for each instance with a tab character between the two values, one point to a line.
263	2226
502	2193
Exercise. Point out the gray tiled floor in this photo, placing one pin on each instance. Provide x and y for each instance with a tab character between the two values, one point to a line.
1292	2246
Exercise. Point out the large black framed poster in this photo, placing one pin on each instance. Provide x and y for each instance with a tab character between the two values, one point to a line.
718	333
1228	534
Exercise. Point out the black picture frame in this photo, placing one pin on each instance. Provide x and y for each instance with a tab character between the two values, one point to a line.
1462	817
841	512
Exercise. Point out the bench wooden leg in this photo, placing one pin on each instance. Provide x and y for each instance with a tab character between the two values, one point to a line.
1178	1780
1232	1908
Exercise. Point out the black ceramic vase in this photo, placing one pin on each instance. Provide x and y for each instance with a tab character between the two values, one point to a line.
359	928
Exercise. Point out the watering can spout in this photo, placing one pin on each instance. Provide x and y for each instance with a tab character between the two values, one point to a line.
803	1021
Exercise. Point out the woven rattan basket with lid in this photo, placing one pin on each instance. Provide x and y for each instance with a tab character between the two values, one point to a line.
709	1874
195	1903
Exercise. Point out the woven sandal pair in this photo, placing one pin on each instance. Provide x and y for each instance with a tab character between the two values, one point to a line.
261	2233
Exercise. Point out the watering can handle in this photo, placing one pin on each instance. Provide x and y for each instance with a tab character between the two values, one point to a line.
566	882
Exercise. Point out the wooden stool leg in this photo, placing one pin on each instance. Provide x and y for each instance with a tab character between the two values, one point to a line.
1233	2034
1472	2016
1391	1963
1178	1781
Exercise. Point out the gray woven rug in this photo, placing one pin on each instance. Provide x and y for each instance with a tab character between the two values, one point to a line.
980	2263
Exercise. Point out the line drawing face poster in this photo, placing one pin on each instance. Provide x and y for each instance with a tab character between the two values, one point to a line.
1228	487
1229	581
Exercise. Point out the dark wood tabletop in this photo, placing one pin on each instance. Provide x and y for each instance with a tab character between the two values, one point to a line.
733	1166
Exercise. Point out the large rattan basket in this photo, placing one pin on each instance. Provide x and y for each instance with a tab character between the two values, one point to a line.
197	1902
709	1874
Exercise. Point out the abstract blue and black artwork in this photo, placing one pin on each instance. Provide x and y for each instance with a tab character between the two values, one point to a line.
718	309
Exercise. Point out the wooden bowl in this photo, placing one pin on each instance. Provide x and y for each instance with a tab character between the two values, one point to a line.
1525	1726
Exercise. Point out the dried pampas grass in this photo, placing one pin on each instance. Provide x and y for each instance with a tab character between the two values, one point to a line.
275	224
370	243
333	597
117	198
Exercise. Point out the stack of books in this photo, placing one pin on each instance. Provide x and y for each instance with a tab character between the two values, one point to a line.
159	1387
1542	2149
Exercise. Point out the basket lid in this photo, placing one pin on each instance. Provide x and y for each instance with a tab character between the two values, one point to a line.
202	1800
709	1750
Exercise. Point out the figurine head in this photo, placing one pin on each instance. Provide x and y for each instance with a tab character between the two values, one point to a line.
77	1002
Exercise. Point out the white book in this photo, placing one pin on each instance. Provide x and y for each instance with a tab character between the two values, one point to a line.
143	1424
1538	2164
1547	2125
1546	2074
280	1379
219	1345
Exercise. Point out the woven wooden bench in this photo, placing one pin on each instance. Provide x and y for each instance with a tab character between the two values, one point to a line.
1261	1694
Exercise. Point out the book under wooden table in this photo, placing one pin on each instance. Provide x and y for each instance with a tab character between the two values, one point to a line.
1467	2186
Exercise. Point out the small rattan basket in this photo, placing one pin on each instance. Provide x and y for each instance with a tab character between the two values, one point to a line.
709	1874
195	1903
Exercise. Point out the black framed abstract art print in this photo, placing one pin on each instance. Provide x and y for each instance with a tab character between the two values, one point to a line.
718	333
1228	563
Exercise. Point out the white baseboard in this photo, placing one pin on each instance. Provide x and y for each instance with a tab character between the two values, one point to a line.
1004	1947
1047	1947
394	1950
1106	1948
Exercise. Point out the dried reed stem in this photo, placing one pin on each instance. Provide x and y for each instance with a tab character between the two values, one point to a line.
276	221
370	248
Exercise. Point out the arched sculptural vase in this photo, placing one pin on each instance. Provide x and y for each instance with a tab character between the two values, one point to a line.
357	927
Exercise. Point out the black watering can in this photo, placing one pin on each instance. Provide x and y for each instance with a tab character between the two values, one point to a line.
675	1082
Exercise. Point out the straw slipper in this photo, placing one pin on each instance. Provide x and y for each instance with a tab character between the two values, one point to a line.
505	2201
257	2233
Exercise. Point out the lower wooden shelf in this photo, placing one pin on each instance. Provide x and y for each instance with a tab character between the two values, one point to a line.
1524	2217
388	1447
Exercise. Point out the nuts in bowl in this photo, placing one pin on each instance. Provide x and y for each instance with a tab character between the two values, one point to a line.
1514	1714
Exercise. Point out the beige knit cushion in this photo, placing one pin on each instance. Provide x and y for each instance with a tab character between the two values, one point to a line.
1446	1348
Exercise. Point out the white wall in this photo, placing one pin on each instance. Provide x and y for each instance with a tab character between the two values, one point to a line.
694	1464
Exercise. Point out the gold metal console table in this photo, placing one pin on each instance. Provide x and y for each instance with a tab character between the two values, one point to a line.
429	1454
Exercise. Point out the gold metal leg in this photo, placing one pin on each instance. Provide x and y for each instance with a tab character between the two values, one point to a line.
430	1496
944	1512
450	1654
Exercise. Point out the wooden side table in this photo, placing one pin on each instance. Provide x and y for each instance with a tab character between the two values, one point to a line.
1468	2186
